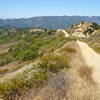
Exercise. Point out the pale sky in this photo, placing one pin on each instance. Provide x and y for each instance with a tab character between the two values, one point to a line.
31	8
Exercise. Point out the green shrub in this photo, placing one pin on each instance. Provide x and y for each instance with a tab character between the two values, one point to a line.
5	59
96	26
53	62
27	55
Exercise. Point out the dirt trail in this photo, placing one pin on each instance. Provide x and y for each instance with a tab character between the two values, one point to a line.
92	59
66	34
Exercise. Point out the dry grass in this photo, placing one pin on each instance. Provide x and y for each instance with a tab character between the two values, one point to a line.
33	75
54	62
2	71
68	49
54	89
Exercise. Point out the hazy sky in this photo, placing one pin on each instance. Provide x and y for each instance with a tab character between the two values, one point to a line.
30	8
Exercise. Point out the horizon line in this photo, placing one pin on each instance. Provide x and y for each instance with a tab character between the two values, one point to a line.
51	16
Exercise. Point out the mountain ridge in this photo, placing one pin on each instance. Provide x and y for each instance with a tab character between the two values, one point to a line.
47	22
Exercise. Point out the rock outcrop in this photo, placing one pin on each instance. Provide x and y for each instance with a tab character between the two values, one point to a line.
83	29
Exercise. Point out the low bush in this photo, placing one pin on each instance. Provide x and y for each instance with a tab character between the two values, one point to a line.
30	77
52	62
26	55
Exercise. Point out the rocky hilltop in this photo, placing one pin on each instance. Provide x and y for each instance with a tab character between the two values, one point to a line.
82	29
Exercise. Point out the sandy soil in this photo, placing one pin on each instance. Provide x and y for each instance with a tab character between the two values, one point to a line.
92	59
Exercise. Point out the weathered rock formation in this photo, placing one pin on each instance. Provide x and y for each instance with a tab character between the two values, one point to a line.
83	29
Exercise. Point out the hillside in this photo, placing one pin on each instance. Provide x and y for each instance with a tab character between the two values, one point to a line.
38	64
63	77
47	22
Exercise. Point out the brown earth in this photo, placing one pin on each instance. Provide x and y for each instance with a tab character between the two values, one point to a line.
5	47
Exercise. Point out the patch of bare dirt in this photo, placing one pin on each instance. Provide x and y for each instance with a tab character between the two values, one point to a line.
5	47
11	67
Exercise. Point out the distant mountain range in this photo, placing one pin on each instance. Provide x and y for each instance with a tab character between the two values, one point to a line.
47	22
